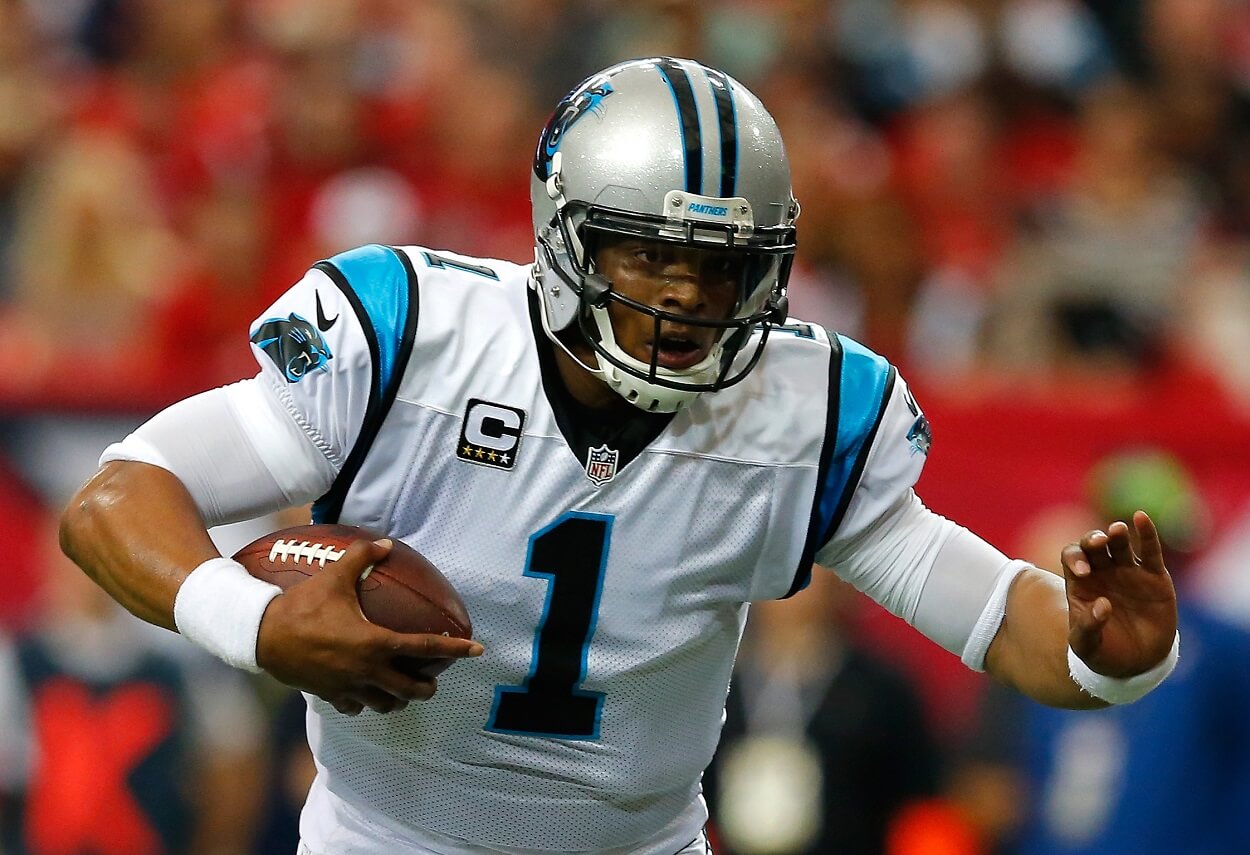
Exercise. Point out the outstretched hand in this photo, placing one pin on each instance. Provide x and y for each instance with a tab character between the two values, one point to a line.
1121	602
314	637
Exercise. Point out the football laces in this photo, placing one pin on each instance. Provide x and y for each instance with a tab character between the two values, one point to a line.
313	553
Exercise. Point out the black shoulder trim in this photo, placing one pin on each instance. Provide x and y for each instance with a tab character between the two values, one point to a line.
852	482
804	571
862	460
328	508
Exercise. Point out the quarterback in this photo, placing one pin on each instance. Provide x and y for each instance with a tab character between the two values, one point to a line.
610	452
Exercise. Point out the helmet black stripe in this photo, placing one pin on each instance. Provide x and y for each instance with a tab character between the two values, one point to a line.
728	131
688	117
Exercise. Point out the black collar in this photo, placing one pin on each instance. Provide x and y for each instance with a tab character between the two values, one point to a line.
625	428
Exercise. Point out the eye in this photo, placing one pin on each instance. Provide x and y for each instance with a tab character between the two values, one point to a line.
649	254
724	266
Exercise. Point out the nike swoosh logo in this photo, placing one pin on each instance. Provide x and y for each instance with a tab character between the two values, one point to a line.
323	324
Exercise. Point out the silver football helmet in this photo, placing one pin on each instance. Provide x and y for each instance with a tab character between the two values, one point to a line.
668	150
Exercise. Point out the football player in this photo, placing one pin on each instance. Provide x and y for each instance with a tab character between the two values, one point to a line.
610	452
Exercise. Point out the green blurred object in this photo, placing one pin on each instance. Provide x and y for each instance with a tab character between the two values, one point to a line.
1156	482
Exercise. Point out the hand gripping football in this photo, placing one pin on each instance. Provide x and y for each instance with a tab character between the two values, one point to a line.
403	592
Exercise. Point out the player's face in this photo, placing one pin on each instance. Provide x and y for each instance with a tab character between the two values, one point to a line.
698	283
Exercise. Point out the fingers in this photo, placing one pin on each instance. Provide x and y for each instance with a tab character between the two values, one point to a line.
1151	547
1084	557
1088	616
410	688
1099	550
387	647
1095	546
385	690
1120	546
368	675
427	646
352	664
368	697
1075	564
380	701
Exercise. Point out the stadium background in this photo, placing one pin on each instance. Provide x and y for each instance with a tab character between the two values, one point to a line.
1039	209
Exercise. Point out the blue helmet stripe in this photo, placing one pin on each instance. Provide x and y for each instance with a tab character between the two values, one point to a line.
688	118
727	116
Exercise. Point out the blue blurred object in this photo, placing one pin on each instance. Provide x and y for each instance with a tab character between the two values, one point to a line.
1168	774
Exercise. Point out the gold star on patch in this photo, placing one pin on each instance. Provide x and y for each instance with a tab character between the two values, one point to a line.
467	451
479	453
490	455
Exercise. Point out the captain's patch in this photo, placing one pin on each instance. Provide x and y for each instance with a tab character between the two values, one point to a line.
490	434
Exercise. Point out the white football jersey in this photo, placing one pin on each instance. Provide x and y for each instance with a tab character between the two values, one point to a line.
606	566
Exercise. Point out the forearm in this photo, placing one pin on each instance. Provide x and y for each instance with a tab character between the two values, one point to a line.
135	530
1030	651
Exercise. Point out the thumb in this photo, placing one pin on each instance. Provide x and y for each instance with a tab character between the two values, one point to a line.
357	561
1086	621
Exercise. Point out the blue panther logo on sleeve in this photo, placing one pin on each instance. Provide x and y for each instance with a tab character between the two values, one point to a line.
920	436
294	345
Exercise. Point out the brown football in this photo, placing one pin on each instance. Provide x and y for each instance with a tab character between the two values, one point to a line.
403	592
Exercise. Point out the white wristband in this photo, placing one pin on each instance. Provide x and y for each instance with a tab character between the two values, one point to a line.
219	607
1122	690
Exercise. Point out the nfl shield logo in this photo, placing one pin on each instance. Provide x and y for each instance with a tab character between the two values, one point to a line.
601	464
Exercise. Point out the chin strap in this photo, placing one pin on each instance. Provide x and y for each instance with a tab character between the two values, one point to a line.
780	309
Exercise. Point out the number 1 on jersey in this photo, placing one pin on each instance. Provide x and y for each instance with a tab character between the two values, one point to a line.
440	262
572	555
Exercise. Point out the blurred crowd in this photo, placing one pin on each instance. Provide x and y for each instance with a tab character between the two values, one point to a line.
1013	195
1025	185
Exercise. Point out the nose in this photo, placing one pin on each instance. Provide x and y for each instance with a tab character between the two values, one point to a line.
683	295
682	292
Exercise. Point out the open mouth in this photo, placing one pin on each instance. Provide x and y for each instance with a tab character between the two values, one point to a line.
677	352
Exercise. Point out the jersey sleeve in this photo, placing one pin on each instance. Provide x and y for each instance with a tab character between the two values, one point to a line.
885	457
876	533
876	443
332	349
